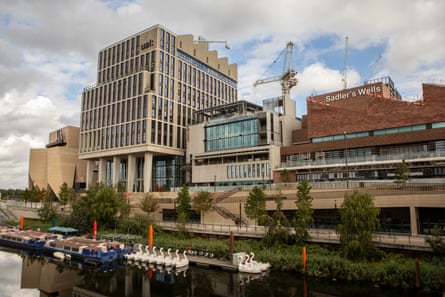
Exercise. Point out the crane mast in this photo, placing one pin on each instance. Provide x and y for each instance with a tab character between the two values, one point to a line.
288	77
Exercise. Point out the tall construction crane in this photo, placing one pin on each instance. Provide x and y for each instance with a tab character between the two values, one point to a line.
288	77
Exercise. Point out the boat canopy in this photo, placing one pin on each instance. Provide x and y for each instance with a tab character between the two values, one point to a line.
63	230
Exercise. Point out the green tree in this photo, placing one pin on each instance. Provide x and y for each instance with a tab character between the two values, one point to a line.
436	241
303	216
105	207
46	211
202	202
359	219
255	206
277	224
148	204
66	194
285	176
401	173
183	207
102	204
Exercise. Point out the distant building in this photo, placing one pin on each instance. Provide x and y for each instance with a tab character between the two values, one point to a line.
58	163
134	118
237	144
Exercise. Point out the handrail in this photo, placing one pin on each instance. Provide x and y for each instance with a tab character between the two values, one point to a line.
387	240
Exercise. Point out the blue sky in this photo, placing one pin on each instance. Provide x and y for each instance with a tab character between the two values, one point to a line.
48	52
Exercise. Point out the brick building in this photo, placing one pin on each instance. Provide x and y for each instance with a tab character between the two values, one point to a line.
363	133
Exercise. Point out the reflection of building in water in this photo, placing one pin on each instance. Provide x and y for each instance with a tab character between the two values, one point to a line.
60	279
49	278
131	281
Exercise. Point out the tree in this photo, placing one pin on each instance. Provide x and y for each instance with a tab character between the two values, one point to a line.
105	206
401	173
359	219
285	176
148	204
102	204
436	240
255	206
303	216
277	231
46	212
202	202
183	207
66	194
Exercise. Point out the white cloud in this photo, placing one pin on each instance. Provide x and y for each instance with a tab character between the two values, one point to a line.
48	51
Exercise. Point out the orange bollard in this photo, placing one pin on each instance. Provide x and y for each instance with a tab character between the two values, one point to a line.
150	236
304	258
22	222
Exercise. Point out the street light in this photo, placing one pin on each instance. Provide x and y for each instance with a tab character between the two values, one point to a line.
214	183
346	160
240	214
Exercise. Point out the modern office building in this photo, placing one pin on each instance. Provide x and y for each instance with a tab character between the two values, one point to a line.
134	118
58	163
237	144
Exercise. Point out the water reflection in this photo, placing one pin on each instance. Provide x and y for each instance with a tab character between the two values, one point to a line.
25	275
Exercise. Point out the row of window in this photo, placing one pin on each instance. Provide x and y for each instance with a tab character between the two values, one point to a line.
259	170
369	154
231	135
116	113
133	133
198	64
113	92
114	136
380	132
124	50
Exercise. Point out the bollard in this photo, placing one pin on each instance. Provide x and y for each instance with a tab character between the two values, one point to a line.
304	258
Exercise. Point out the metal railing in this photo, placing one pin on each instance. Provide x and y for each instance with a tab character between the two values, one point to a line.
386	240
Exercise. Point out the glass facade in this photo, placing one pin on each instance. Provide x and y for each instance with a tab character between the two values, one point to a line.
232	134
167	173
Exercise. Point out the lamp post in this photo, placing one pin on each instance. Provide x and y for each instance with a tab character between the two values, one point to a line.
214	183
262	173
346	160
240	214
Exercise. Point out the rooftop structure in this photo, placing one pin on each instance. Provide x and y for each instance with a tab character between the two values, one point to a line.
58	163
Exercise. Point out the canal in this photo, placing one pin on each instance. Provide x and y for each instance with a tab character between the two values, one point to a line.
25	275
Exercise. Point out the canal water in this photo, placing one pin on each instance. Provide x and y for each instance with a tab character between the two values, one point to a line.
23	275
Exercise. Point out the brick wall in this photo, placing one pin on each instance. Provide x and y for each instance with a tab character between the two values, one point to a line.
368	112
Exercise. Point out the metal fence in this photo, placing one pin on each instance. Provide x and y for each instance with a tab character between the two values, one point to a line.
399	241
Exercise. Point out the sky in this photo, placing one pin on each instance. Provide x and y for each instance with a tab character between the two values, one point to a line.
49	48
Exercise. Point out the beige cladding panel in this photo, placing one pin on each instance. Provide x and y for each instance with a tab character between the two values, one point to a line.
199	50
37	168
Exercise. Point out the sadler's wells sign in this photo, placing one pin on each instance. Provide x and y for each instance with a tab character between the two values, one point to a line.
350	93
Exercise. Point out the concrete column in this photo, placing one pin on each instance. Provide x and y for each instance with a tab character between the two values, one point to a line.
116	169
148	165
101	175
414	219
131	171
90	172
